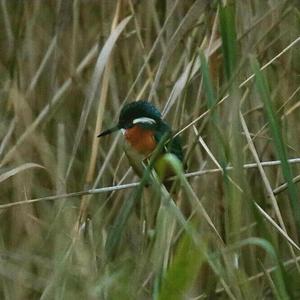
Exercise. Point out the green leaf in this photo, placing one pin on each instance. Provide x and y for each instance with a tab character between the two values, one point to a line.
182	272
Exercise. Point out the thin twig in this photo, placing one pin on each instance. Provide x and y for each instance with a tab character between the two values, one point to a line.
134	184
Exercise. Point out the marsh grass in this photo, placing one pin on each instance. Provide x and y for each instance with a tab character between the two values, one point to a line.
75	221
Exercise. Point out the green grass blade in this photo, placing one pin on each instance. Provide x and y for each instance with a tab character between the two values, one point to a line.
228	35
280	287
207	81
264	92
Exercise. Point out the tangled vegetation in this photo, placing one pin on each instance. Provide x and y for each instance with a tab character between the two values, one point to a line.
75	223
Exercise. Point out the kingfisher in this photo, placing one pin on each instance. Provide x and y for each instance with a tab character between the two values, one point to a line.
143	128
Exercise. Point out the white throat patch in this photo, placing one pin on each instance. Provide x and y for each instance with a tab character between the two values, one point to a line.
123	131
144	120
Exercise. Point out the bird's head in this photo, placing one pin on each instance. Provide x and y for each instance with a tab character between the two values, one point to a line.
143	127
140	113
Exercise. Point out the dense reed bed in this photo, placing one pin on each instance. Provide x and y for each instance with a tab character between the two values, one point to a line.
74	221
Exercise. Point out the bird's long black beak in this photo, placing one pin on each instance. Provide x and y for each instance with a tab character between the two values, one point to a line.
108	131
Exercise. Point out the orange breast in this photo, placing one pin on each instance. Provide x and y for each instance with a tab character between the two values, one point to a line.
142	140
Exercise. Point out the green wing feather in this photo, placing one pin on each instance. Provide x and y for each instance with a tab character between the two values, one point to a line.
174	145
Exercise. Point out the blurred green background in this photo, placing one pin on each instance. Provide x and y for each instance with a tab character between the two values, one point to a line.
66	69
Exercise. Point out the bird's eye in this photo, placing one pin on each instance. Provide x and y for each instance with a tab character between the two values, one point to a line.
125	124
128	125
